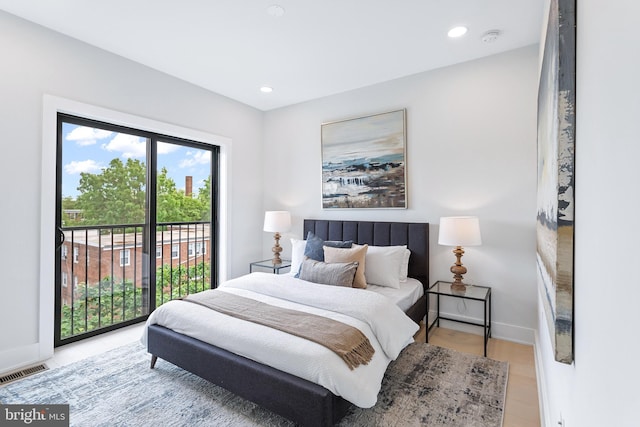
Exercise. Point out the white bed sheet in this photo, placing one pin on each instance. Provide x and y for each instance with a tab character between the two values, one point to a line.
386	326
409	292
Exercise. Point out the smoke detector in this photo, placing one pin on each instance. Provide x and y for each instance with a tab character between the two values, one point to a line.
275	10
491	36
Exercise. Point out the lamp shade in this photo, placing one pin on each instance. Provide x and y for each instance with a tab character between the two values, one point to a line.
277	221
459	231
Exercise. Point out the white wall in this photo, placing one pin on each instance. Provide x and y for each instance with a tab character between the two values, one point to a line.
471	149
600	387
36	62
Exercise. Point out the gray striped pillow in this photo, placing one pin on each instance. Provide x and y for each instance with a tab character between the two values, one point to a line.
335	273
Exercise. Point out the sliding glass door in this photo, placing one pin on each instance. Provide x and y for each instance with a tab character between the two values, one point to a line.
136	215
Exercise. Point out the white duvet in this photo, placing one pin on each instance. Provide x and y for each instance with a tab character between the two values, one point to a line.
389	330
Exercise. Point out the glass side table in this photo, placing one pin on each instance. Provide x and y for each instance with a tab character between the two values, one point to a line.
268	263
472	292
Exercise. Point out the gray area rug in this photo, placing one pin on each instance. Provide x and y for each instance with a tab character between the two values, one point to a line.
426	386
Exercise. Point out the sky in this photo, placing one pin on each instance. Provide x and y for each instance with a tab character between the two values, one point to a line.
87	149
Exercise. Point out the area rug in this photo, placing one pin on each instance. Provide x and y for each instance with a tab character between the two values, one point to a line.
425	386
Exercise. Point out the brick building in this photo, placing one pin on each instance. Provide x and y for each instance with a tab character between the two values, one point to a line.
91	255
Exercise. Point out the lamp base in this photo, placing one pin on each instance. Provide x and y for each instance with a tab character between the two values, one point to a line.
458	287
276	250
458	271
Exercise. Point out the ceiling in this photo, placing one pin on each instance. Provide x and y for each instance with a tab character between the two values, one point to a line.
315	49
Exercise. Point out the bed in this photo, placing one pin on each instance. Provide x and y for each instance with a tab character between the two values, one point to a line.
295	398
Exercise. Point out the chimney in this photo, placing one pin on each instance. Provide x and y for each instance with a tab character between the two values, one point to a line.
188	185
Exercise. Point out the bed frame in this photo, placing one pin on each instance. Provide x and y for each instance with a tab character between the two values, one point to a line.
299	400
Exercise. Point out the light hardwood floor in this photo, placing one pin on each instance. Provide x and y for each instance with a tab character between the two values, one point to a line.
521	406
95	345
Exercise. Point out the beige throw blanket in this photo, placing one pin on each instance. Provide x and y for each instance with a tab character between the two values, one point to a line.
346	341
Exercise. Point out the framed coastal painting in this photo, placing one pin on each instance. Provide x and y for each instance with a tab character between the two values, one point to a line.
555	200
364	162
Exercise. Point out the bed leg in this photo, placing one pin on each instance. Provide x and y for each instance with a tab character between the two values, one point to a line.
154	359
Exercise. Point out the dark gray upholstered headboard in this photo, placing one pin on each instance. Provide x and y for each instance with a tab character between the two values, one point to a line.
414	235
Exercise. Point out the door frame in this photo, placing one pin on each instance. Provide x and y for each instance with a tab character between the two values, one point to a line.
52	105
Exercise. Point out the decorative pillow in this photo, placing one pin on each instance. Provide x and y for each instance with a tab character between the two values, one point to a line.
356	253
404	268
384	264
314	246
297	254
336	274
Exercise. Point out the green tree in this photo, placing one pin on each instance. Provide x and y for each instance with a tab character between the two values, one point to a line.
114	196
113	301
69	203
204	196
173	205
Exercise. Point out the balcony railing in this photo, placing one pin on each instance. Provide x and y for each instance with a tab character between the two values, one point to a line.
105	272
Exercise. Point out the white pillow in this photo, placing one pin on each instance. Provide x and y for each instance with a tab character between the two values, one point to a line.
297	254
383	265
404	268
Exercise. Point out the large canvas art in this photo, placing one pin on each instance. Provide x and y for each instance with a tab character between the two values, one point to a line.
363	162
556	146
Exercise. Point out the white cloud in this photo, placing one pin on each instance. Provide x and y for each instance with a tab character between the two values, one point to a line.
84	166
166	148
200	157
129	145
84	135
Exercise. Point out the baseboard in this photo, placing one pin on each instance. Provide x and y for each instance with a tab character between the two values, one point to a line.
17	358
503	331
543	395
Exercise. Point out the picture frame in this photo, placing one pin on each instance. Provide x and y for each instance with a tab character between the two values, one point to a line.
364	162
556	179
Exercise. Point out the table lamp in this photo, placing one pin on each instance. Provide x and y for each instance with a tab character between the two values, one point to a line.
277	222
459	231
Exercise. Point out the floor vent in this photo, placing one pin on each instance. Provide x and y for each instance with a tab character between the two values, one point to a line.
14	376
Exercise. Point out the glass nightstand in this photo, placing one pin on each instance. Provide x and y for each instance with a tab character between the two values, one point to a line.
472	292
267	263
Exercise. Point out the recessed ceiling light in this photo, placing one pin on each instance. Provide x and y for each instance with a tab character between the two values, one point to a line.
266	89
275	10
457	31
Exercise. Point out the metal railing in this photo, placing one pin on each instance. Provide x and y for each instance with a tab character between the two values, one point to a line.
106	273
